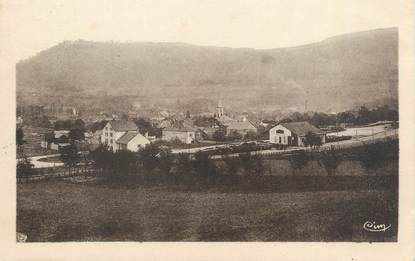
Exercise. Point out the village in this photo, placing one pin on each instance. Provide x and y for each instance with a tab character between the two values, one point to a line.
211	132
119	157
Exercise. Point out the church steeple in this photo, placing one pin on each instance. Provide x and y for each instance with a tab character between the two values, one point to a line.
220	110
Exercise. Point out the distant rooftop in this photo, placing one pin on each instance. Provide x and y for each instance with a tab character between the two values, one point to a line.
123	125
301	128
241	125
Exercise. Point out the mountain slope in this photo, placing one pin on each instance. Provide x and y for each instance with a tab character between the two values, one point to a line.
336	73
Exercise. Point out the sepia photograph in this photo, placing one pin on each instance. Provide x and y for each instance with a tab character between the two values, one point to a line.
196	121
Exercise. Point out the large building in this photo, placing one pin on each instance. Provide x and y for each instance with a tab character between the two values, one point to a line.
123	135
186	135
294	133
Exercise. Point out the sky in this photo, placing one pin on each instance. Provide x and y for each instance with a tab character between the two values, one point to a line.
35	25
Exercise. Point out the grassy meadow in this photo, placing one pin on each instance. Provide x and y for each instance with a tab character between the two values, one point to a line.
276	208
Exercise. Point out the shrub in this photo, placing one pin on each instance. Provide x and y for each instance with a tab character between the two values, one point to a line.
312	139
298	160
252	164
330	159
372	155
184	164
149	157
165	162
123	162
102	157
204	168
232	163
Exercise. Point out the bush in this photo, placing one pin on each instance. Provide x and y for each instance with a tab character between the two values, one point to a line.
298	160
184	164
232	164
102	158
165	162
204	168
252	164
123	163
372	155
330	160
312	139
149	157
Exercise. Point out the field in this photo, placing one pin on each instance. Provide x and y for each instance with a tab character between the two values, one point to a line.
290	209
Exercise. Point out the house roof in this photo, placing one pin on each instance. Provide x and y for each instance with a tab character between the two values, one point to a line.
301	128
182	129
97	133
123	125
255	122
127	137
241	125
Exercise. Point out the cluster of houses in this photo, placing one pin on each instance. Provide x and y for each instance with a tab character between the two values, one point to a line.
188	133
125	135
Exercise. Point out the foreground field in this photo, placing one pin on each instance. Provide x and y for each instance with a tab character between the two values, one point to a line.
62	211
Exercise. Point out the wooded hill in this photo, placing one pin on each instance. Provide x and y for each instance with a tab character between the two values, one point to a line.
335	74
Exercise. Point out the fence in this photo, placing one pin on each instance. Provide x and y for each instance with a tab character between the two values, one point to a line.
48	173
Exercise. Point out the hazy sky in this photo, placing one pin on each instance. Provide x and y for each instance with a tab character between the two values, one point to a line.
34	25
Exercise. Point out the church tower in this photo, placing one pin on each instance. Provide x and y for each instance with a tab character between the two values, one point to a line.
220	110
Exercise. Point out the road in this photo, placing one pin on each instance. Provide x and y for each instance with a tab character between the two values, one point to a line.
41	164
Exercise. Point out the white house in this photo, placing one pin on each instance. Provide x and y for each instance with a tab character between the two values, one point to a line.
114	135
293	133
131	141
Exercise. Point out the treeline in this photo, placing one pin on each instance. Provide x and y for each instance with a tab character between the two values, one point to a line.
157	162
156	165
154	159
362	116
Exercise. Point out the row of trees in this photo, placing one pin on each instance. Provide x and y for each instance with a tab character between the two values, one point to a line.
370	155
159	159
154	159
362	116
